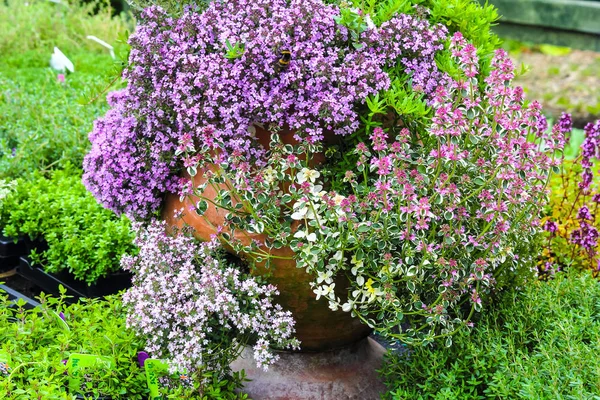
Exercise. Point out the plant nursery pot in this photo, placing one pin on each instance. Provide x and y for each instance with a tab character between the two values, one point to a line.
317	327
10	252
336	360
50	282
9	247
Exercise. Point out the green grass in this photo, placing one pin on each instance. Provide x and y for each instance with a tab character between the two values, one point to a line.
31	29
44	124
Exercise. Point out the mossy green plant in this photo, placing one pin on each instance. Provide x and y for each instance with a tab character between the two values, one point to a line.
541	343
82	237
46	117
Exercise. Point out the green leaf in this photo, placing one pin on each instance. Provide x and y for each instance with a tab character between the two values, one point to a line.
201	207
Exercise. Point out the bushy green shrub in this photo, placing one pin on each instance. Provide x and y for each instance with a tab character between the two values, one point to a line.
82	237
539	344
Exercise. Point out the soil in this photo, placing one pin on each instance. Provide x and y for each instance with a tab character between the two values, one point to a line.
23	286
562	83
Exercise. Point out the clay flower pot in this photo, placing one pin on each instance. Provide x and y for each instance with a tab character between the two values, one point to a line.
317	327
337	360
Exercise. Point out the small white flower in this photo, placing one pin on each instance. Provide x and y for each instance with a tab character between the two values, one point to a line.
369	22
337	199
317	191
324	290
347	307
324	277
60	62
311	237
360	280
300	234
333	306
299	214
309	175
269	175
338	255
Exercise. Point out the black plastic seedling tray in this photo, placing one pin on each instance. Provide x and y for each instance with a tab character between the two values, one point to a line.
10	252
8	263
49	282
15	296
8	246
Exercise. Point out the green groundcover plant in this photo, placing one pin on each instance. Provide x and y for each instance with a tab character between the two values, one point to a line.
35	345
542	343
82	237
31	29
41	132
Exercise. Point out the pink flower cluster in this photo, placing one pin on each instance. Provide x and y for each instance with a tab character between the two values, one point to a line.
195	309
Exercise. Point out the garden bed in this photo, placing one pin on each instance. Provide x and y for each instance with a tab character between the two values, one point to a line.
425	219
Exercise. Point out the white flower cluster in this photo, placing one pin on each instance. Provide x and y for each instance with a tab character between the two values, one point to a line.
195	309
321	210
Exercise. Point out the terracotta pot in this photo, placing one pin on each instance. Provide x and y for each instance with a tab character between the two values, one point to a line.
317	327
349	373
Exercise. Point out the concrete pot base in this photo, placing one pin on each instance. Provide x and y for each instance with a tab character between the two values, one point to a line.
346	373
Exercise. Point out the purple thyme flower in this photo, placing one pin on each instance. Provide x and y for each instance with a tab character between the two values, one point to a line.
589	150
550	226
584	214
183	79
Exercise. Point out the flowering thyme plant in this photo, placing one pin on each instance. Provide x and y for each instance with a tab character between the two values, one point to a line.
197	310
226	67
573	221
428	221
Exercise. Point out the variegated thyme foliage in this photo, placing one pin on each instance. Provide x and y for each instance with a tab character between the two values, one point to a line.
428	223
